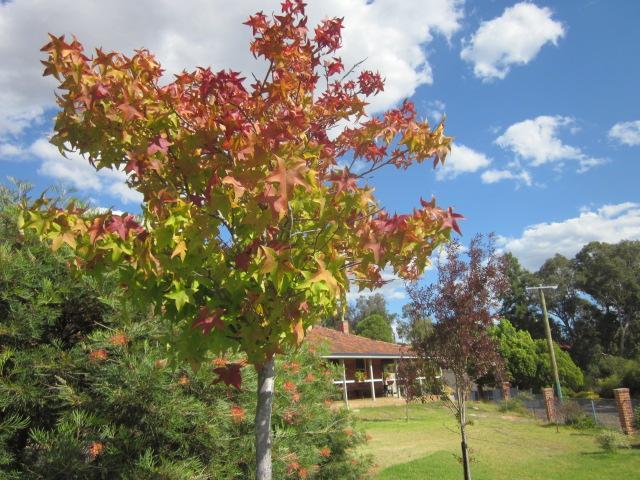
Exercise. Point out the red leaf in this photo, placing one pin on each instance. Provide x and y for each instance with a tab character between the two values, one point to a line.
450	221
96	230
230	375
122	224
129	112
135	164
159	144
208	319
334	67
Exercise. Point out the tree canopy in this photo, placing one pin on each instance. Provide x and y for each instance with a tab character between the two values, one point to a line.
527	360
251	228
375	326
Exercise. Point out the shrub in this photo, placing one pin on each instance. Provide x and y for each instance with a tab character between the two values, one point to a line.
610	440
636	416
575	416
512	405
606	385
588	394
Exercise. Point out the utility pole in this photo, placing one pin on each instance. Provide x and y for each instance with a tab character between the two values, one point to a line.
547	331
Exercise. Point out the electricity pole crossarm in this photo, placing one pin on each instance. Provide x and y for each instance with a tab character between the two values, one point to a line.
547	331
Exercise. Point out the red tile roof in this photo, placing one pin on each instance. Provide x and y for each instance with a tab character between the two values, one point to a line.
351	345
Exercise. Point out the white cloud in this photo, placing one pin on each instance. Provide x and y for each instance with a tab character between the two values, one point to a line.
77	172
11	151
514	38
124	193
495	176
627	133
609	223
462	160
537	142
392	37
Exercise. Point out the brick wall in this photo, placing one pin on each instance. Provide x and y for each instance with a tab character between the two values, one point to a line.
506	391
549	403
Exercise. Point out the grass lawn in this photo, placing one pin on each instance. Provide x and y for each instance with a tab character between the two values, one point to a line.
504	447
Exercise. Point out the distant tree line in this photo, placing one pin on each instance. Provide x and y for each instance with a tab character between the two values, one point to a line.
369	317
594	312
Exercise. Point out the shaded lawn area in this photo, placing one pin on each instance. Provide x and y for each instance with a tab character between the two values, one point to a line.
505	446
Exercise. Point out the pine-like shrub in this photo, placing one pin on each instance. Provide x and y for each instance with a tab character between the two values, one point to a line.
88	389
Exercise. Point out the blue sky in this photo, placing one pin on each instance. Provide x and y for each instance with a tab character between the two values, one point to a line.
542	98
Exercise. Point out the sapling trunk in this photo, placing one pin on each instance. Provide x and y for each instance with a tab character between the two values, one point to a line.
462	415
266	375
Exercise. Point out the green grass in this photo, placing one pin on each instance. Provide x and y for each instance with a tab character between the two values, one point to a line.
504	446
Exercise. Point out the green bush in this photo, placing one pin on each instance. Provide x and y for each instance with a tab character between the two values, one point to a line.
527	360
86	390
636	416
610	440
512	405
588	394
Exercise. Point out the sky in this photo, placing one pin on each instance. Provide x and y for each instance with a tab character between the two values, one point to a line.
541	97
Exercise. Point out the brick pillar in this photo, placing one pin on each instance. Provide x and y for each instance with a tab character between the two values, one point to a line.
549	403
625	411
506	391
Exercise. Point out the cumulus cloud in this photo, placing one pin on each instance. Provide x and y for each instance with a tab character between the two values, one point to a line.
609	223
514	38
77	172
390	35
10	151
627	133
537	141
462	160
495	176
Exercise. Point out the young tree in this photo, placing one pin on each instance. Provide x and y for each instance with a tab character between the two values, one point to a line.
464	302
250	228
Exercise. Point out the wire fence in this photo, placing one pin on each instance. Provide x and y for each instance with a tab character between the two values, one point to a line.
603	411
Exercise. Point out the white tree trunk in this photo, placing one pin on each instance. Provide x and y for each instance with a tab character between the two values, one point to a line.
266	375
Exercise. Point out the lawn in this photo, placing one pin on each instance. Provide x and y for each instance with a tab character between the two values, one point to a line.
504	447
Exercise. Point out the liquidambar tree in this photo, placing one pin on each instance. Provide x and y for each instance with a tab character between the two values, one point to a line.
253	220
464	301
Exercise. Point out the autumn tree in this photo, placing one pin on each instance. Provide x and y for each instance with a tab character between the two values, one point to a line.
254	222
464	302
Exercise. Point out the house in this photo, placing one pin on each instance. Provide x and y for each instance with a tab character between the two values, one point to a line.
369	367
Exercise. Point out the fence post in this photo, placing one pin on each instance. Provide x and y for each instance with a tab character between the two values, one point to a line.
506	391
593	409
625	411
549	404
